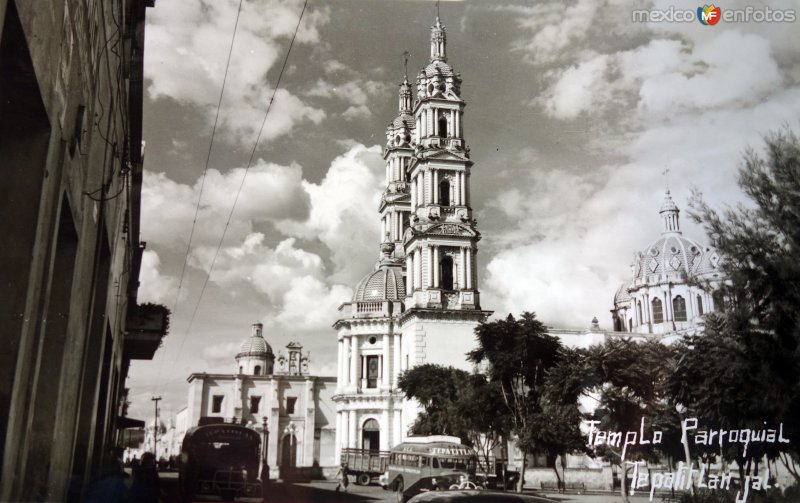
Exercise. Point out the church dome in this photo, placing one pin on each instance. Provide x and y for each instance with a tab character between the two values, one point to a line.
385	283
439	68
255	345
404	120
675	254
622	294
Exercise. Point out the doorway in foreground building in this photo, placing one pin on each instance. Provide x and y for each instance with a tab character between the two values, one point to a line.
371	436
289	452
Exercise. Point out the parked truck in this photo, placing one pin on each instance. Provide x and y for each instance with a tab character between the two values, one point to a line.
365	464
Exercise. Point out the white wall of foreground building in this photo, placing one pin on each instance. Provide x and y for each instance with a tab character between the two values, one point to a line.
299	410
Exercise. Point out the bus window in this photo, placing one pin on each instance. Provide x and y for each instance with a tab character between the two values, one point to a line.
454	463
435	463
425	460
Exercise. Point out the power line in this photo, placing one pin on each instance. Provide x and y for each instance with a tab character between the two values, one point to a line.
208	159
244	177
203	178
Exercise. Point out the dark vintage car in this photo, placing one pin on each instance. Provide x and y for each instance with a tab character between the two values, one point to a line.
493	481
459	496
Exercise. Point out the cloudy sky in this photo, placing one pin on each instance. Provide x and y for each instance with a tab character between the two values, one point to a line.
574	112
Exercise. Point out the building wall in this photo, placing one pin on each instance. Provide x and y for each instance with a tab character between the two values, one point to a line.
70	163
311	423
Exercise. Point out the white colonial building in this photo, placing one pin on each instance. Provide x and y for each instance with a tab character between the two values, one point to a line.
298	406
421	303
672	284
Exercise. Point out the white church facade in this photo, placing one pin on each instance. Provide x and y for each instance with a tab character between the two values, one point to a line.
296	404
421	302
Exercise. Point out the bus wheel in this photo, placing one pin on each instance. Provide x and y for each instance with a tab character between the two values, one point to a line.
398	490
363	479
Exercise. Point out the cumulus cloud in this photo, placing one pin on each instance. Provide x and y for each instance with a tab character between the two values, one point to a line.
303	287
310	304
554	27
343	213
577	89
188	44
271	192
155	287
356	93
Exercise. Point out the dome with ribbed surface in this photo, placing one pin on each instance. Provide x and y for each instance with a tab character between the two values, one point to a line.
404	120
439	68
255	345
385	283
675	253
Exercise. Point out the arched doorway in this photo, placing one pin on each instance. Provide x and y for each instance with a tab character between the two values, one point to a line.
371	436
443	127
289	451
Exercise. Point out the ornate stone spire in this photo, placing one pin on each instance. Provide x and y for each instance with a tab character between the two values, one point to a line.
669	215
438	42
405	96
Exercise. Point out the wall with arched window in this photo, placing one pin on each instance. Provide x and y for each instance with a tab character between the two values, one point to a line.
679	308
658	311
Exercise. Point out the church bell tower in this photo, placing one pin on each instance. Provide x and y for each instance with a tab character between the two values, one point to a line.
440	245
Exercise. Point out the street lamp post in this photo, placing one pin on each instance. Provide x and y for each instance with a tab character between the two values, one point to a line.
155	399
264	465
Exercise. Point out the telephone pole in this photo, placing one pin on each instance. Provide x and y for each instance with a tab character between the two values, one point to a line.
155	399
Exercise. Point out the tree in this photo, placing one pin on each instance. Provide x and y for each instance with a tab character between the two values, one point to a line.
519	354
628	379
437	389
457	403
483	413
759	329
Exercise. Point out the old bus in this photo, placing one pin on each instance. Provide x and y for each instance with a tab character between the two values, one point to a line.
430	463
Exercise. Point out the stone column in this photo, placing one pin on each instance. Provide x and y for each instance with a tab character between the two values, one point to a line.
397	355
429	259
409	275
468	268
345	424
355	361
386	376
428	187
413	194
353	426
452	123
457	133
435	186
417	268
339	437
462	279
310	424
435	266
340	361
345	361
384	439
398	425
